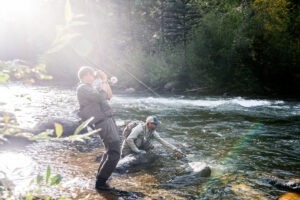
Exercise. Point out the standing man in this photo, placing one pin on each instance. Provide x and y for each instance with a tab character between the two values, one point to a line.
93	94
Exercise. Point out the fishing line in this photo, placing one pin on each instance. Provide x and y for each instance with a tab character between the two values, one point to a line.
93	22
135	78
119	66
89	62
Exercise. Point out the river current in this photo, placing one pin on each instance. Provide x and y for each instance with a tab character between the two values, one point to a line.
244	141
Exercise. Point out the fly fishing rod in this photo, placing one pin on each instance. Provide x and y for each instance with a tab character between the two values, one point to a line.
113	79
135	78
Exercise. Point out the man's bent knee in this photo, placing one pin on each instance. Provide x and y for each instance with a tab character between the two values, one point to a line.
114	156
114	151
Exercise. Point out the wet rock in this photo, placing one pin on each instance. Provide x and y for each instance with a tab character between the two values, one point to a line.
244	191
195	173
9	128
14	141
69	126
7	117
292	186
136	162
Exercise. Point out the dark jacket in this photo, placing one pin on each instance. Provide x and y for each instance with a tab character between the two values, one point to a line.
93	103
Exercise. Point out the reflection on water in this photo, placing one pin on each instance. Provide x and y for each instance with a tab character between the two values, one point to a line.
17	167
245	141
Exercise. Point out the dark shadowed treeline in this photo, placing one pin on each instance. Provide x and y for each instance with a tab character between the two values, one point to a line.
236	47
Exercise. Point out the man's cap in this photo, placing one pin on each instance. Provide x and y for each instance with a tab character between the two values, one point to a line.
152	119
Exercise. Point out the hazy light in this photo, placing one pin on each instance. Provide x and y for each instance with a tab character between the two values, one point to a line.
16	171
17	10
14	165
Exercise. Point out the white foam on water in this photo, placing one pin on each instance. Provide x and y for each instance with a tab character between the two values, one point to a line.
197	166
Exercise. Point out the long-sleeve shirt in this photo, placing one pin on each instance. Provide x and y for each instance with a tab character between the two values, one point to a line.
132	144
93	103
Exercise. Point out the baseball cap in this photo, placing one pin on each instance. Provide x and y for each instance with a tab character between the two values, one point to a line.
152	119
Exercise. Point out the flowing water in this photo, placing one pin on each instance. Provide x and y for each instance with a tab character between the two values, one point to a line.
244	141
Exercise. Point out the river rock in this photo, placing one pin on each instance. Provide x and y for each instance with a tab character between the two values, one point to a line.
14	141
136	162
291	186
9	138
10	117
195	173
69	126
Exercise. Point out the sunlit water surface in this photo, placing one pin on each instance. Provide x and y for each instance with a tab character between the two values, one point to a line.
244	141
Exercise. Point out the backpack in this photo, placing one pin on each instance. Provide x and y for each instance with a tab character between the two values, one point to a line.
128	128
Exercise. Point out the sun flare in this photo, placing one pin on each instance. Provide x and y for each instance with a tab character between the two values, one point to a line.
17	10
13	164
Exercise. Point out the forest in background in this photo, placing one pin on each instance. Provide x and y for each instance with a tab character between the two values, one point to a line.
235	47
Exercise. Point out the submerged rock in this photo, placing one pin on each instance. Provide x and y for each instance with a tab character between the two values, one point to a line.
195	173
291	186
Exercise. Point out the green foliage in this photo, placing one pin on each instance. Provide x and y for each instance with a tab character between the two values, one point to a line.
178	17
216	54
65	50
83	125
43	182
66	33
49	179
4	77
273	15
244	49
20	70
275	45
225	46
158	70
39	183
58	130
5	185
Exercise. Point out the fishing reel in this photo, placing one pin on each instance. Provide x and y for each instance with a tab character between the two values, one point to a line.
113	80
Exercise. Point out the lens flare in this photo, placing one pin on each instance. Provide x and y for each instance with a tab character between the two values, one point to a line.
16	10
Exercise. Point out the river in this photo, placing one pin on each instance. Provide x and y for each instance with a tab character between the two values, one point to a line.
244	141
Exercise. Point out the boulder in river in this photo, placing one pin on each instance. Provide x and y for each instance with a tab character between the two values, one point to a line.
195	173
69	126
136	162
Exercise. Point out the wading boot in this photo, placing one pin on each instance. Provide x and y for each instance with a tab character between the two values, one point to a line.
102	185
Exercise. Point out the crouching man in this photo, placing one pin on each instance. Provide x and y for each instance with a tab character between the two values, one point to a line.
142	136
